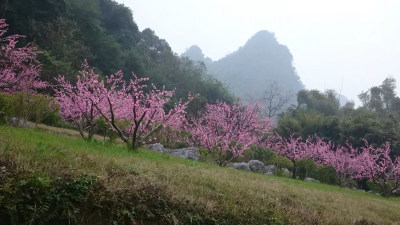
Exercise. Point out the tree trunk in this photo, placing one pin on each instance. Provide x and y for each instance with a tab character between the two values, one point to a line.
294	170
79	126
92	125
134	137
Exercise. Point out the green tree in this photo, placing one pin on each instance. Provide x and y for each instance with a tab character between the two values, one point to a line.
104	33
382	99
313	100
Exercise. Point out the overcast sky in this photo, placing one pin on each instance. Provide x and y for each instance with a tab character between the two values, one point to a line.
357	41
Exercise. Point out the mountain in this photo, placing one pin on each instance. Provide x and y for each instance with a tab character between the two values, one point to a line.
257	68
196	54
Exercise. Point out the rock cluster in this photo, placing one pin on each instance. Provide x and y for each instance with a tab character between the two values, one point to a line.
156	147
255	166
15	122
186	153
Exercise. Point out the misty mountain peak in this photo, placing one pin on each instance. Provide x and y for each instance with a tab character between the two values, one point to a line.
196	54
261	37
264	43
252	69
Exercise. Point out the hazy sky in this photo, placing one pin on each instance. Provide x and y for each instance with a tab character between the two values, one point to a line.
357	41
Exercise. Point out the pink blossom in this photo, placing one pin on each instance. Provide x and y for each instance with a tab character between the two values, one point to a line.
230	128
118	102
19	68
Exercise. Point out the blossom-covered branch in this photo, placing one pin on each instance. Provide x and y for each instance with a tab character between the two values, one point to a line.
19	68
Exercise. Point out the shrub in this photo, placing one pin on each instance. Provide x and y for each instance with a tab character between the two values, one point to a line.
4	108
306	168
170	137
205	155
51	118
378	188
38	199
24	106
104	130
327	175
283	173
33	107
282	162
265	155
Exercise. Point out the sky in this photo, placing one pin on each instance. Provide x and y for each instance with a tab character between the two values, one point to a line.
346	45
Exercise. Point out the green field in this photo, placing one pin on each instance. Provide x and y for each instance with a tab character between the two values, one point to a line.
117	186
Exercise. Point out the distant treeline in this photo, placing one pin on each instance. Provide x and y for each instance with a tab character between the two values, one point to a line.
376	121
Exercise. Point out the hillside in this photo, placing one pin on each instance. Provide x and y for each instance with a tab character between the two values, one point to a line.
99	183
255	68
104	32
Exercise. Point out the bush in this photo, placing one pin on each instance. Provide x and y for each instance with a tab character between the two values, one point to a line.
51	118
282	173
373	187
170	138
282	162
103	129
267	156
25	106
4	108
205	155
376	188
33	107
41	200
328	175
306	168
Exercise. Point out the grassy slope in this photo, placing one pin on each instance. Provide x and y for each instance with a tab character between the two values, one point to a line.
226	195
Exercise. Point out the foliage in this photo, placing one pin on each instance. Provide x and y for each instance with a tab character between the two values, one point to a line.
75	102
362	124
365	162
319	114
306	168
104	130
19	67
267	156
104	33
376	164
313	100
282	162
307	120
382	99
116	101
228	130
327	175
383	102
26	106
170	137
51	117
41	200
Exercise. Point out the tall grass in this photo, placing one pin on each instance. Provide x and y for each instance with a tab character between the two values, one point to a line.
202	193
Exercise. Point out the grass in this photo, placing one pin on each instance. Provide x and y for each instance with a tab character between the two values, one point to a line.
193	192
